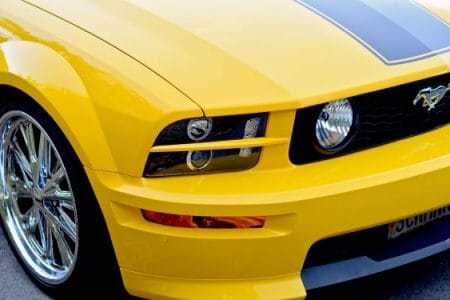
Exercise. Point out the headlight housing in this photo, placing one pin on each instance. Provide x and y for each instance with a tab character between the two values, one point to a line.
324	131
334	125
206	130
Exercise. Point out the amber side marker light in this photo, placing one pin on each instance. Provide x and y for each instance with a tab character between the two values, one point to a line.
203	222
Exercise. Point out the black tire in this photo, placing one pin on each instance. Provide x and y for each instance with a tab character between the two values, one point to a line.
95	270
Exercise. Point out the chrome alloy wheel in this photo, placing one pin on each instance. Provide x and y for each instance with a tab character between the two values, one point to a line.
37	204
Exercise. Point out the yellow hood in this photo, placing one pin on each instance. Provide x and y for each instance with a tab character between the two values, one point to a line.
256	55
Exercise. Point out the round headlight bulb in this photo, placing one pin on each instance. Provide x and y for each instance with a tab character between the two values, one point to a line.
199	160
199	129
334	125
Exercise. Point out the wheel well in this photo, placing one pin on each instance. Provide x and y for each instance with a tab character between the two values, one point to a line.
8	93
11	96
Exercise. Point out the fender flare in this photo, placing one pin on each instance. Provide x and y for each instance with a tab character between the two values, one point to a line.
48	78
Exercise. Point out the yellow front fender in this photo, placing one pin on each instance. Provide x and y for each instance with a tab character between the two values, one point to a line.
109	106
49	79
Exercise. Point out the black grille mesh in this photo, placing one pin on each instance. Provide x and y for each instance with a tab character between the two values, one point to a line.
384	116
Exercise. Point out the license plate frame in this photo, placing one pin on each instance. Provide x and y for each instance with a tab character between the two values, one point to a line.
400	228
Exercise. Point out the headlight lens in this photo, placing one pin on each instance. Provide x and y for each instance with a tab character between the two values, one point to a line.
206	161
334	125
199	160
199	129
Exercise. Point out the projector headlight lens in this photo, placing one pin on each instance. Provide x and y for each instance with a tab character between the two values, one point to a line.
334	125
198	160
199	129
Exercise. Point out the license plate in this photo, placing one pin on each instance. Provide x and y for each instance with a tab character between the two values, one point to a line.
401	227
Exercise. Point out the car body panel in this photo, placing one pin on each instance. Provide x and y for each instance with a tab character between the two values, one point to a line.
438	7
306	204
248	57
88	85
22	65
113	91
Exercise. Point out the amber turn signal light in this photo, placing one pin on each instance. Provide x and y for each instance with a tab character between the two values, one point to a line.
203	222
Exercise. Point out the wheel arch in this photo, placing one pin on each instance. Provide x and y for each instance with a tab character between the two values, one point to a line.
48	79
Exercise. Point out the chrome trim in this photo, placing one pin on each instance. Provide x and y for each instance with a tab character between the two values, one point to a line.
431	97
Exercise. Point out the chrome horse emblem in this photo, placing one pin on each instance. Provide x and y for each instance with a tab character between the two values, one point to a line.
431	97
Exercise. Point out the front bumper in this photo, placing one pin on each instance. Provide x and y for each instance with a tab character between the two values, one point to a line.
303	204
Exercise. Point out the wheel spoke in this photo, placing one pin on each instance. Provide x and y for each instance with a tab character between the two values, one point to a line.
48	250
28	136
52	193
27	131
56	178
22	160
64	250
29	220
67	204
63	222
41	222
62	198
39	165
67	225
47	159
22	189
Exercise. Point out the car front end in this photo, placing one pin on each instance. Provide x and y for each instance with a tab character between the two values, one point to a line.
250	159
302	204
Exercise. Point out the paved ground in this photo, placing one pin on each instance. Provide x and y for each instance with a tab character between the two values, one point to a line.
429	279
14	283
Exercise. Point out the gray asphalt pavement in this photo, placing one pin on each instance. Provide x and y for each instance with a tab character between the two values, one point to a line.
428	279
14	283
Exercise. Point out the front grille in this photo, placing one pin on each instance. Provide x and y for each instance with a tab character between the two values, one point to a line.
384	116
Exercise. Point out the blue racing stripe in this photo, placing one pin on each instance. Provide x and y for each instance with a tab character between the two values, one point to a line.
396	31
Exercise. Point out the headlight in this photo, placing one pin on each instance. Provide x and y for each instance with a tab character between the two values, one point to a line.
203	130
198	160
334	125
199	129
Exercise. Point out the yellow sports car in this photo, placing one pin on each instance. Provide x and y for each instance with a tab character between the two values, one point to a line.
222	149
